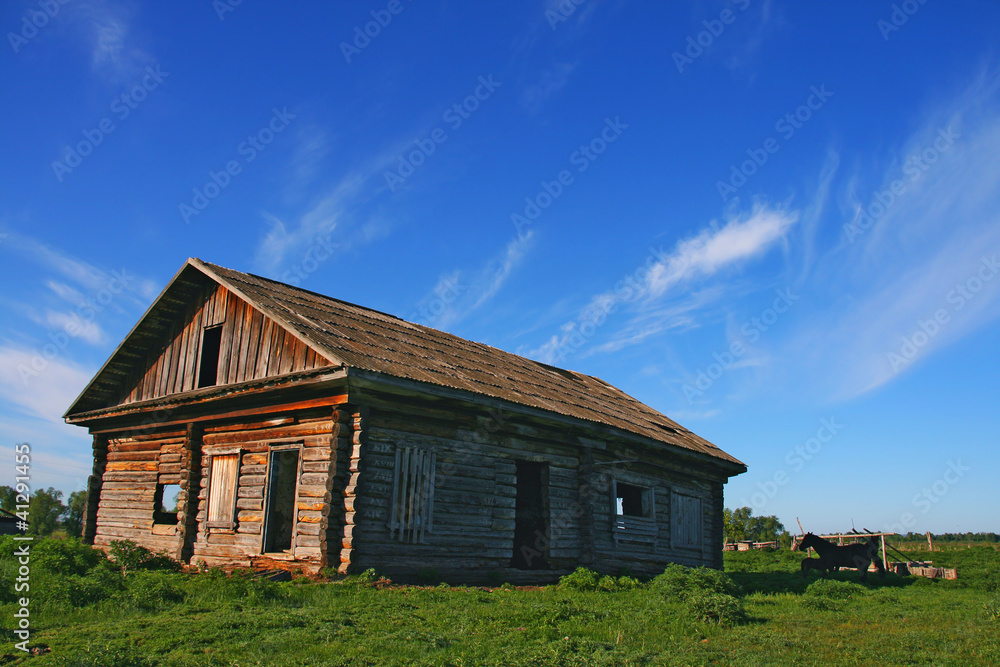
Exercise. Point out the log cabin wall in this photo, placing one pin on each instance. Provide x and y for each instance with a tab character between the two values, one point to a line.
136	465
666	482
346	484
472	498
474	493
310	433
252	346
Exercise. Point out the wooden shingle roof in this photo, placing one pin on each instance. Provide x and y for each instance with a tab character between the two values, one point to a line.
366	339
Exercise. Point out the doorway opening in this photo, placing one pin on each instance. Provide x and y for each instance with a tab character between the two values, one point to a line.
279	518
531	511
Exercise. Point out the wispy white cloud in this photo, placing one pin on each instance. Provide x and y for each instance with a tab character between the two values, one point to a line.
76	326
81	279
651	319
106	28
337	216
65	292
284	241
935	236
496	272
715	248
459	292
814	212
740	239
549	81
40	387
307	161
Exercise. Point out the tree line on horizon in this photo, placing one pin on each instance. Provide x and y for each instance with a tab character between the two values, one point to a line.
46	511
740	525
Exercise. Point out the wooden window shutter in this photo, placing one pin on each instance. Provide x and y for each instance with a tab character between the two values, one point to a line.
222	490
412	512
686	521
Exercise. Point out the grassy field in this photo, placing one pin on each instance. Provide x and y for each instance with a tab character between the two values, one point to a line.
84	612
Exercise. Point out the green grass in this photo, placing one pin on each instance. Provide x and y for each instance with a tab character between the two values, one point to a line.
764	613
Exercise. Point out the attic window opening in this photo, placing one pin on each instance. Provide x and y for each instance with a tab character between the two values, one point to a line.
211	344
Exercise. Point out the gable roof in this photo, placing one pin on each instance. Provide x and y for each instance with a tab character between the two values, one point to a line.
366	339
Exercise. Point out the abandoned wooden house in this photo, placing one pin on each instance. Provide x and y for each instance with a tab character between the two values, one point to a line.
247	422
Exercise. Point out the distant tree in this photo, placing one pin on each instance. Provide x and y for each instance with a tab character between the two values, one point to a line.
45	511
75	507
741	524
765	528
736	523
7	498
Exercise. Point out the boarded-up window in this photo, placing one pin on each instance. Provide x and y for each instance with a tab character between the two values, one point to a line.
222	490
686	521
412	514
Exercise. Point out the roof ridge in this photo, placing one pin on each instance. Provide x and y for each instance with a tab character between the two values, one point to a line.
550	367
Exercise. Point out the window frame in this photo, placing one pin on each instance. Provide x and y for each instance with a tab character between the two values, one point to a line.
213	328
164	518
630	527
271	451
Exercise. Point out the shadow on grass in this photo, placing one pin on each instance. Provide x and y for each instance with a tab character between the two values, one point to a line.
793	582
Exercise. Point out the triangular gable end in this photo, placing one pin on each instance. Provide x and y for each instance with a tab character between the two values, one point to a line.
164	353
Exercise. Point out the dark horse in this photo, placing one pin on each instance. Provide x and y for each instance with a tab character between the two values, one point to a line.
831	556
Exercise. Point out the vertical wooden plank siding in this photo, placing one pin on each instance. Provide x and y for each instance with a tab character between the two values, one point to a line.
252	347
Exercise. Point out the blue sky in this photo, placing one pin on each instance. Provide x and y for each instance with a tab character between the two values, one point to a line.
775	222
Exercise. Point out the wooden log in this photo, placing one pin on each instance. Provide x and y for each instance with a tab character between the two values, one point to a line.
131	466
145	455
290	431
